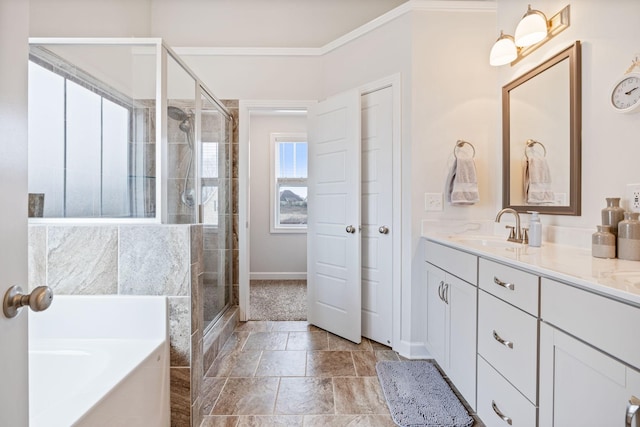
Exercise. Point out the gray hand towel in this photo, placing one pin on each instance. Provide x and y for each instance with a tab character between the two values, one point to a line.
537	181
462	183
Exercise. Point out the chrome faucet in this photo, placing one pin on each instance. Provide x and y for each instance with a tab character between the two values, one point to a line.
516	233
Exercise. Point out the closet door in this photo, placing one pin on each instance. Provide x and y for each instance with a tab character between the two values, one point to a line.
377	215
333	230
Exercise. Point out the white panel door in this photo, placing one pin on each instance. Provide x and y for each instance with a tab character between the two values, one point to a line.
14	19
377	215
333	236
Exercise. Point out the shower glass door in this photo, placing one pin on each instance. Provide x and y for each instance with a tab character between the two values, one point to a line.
215	207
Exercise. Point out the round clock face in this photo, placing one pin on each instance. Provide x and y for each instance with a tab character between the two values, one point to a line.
625	96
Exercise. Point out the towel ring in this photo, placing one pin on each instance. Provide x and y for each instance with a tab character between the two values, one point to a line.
530	143
460	143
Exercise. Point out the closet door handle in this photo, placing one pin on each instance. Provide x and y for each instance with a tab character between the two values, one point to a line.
632	410
501	340
499	282
500	414
350	229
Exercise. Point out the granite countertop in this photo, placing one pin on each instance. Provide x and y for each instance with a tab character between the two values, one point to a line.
615	278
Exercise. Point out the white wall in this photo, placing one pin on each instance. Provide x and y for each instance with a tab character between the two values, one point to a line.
610	35
278	255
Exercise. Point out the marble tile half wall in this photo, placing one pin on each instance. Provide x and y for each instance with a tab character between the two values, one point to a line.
126	260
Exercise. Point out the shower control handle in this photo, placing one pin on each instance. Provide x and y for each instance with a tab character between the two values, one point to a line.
38	300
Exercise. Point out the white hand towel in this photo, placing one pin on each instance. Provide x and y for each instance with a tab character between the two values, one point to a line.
462	183
537	181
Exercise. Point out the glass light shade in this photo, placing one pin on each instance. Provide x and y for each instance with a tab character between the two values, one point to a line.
503	51
531	29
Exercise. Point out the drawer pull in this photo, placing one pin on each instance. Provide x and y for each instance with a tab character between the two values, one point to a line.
445	293
632	410
499	282
441	290
502	341
500	414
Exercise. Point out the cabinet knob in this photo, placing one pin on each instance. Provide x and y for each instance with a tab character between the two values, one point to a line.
38	300
500	414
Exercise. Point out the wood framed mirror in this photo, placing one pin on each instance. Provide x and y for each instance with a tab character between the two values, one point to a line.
541	137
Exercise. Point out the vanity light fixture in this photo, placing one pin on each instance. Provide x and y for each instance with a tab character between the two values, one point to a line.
532	31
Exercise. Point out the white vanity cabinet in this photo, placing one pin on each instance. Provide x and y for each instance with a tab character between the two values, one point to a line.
508	326
451	295
589	359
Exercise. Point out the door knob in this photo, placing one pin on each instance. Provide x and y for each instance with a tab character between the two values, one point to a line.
39	299
351	229
383	230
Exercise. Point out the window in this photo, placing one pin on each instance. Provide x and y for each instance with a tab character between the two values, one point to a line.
289	182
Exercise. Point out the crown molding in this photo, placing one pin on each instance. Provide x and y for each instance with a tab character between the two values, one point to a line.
409	6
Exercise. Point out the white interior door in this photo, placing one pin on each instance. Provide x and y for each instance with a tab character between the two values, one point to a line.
14	396
377	215
333	235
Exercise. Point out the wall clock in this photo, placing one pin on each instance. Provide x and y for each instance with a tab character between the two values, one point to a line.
625	95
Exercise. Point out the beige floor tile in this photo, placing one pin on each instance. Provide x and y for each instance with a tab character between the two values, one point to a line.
254	326
235	364
266	341
365	361
282	364
362	395
305	396
211	388
308	341
378	346
348	421
330	364
339	343
220	421
236	341
247	396
270	421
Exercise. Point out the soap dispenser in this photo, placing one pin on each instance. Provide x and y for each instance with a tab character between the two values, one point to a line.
535	230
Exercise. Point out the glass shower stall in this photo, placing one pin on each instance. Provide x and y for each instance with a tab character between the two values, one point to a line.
122	131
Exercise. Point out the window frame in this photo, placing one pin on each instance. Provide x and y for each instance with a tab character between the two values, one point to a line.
274	193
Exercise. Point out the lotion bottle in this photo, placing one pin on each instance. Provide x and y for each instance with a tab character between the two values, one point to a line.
535	230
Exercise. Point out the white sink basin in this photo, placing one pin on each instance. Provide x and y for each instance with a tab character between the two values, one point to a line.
487	241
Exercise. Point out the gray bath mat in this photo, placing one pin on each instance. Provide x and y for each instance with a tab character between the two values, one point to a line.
417	395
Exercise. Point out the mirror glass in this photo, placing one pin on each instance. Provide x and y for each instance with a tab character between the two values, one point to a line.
541	137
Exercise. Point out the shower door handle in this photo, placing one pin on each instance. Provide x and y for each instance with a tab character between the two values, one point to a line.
38	300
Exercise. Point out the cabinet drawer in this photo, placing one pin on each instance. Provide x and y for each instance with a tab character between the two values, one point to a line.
515	286
458	263
609	325
497	398
516	357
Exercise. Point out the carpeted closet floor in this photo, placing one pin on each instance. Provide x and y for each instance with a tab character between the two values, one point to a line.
278	300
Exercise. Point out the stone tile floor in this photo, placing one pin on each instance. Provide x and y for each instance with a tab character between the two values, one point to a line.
283	373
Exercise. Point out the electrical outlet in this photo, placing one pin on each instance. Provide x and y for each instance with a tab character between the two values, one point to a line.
633	196
432	201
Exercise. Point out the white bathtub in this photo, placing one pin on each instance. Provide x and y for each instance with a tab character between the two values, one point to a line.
99	361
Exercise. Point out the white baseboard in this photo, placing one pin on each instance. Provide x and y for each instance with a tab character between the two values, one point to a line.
412	350
278	276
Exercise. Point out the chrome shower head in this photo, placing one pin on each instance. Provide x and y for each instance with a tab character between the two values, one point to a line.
177	114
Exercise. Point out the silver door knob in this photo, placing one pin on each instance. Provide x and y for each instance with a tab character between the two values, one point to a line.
350	229
383	230
39	299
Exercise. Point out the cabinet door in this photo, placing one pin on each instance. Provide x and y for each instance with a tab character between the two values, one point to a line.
581	386
436	339
462	298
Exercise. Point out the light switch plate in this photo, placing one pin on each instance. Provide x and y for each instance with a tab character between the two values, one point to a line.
432	201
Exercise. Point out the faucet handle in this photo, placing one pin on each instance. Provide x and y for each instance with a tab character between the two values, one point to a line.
512	231
525	235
